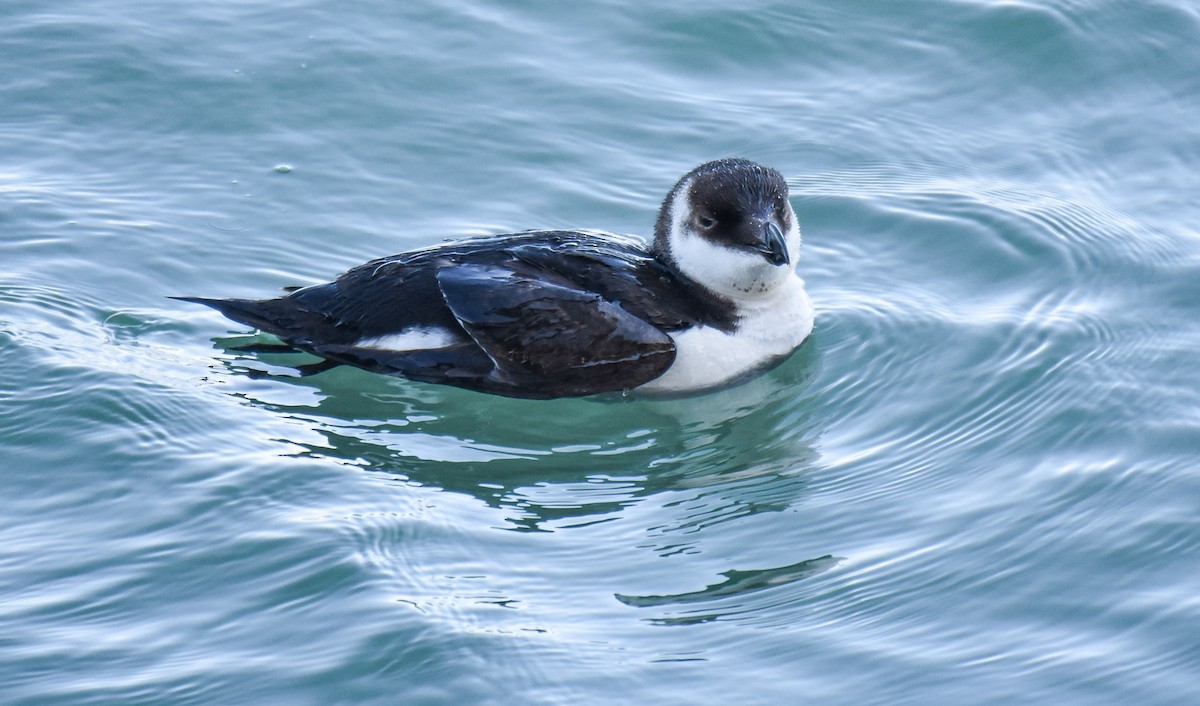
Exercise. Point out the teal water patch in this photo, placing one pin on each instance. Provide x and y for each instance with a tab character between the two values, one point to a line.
974	484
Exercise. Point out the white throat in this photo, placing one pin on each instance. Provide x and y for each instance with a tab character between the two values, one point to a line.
731	273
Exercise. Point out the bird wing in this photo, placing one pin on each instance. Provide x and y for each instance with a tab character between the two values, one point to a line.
547	337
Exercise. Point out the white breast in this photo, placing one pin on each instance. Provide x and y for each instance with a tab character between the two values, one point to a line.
769	327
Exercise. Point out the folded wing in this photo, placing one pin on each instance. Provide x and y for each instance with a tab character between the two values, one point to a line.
547	337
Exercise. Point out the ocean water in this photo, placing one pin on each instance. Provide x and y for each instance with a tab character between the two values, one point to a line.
977	483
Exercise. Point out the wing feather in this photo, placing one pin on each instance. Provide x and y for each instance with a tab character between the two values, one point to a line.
543	332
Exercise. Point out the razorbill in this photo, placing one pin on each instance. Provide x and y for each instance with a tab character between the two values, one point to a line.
557	313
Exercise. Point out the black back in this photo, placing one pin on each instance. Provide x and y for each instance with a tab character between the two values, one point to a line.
393	293
535	314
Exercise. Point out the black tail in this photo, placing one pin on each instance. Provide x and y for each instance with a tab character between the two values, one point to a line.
262	315
275	316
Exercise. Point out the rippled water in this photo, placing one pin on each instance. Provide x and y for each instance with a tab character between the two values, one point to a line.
977	482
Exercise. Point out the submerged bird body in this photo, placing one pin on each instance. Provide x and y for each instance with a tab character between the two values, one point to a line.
545	314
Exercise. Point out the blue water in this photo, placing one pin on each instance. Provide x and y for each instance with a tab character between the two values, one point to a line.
977	483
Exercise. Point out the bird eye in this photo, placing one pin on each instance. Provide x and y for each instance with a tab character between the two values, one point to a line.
705	222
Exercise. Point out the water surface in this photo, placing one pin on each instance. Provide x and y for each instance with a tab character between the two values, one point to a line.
975	484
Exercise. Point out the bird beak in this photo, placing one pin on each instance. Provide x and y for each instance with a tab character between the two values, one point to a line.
773	246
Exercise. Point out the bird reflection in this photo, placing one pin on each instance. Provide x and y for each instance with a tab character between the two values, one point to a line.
559	464
735	586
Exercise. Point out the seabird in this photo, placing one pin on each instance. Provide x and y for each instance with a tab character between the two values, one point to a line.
565	313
